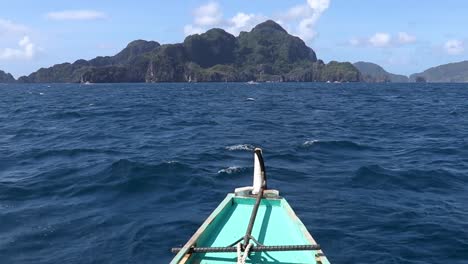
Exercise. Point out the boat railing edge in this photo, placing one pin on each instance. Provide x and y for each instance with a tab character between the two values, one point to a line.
191	242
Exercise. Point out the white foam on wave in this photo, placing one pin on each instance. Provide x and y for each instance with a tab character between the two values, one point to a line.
240	147
230	170
310	142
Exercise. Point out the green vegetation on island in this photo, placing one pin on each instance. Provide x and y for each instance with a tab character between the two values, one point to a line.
452	72
372	72
266	53
126	66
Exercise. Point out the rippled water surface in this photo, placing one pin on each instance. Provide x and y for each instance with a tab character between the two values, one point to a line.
121	173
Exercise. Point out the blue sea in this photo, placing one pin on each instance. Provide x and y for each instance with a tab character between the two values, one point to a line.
120	173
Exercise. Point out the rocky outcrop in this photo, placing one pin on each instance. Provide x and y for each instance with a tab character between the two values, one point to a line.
266	53
6	77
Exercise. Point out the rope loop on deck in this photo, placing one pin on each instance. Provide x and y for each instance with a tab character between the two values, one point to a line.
242	256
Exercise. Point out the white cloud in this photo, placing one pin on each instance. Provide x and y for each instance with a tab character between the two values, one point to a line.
319	5
243	22
76	15
306	26
9	27
405	38
454	47
306	29
15	42
380	40
301	19
297	12
383	40
25	50
208	15
204	17
191	29
355	42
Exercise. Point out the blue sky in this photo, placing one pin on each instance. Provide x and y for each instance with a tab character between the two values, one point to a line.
403	36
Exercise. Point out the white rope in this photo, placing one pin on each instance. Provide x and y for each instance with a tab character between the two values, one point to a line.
241	258
239	253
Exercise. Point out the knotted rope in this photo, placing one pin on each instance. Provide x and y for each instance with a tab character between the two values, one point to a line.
242	256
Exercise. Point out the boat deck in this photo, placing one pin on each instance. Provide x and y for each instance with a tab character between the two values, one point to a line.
276	224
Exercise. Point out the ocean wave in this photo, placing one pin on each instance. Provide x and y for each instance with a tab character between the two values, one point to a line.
27	133
162	180
333	144
69	153
310	142
232	170
432	150
241	147
377	177
194	123
120	177
131	176
39	185
67	115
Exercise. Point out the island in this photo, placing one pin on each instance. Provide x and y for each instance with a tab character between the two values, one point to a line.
6	77
266	53
451	72
374	73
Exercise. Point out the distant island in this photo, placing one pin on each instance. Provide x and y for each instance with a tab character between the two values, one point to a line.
268	53
6	77
447	73
452	72
371	72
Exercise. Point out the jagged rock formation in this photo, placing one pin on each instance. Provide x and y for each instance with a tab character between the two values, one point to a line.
266	53
6	77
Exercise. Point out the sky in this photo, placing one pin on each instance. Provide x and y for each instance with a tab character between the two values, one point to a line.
403	36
